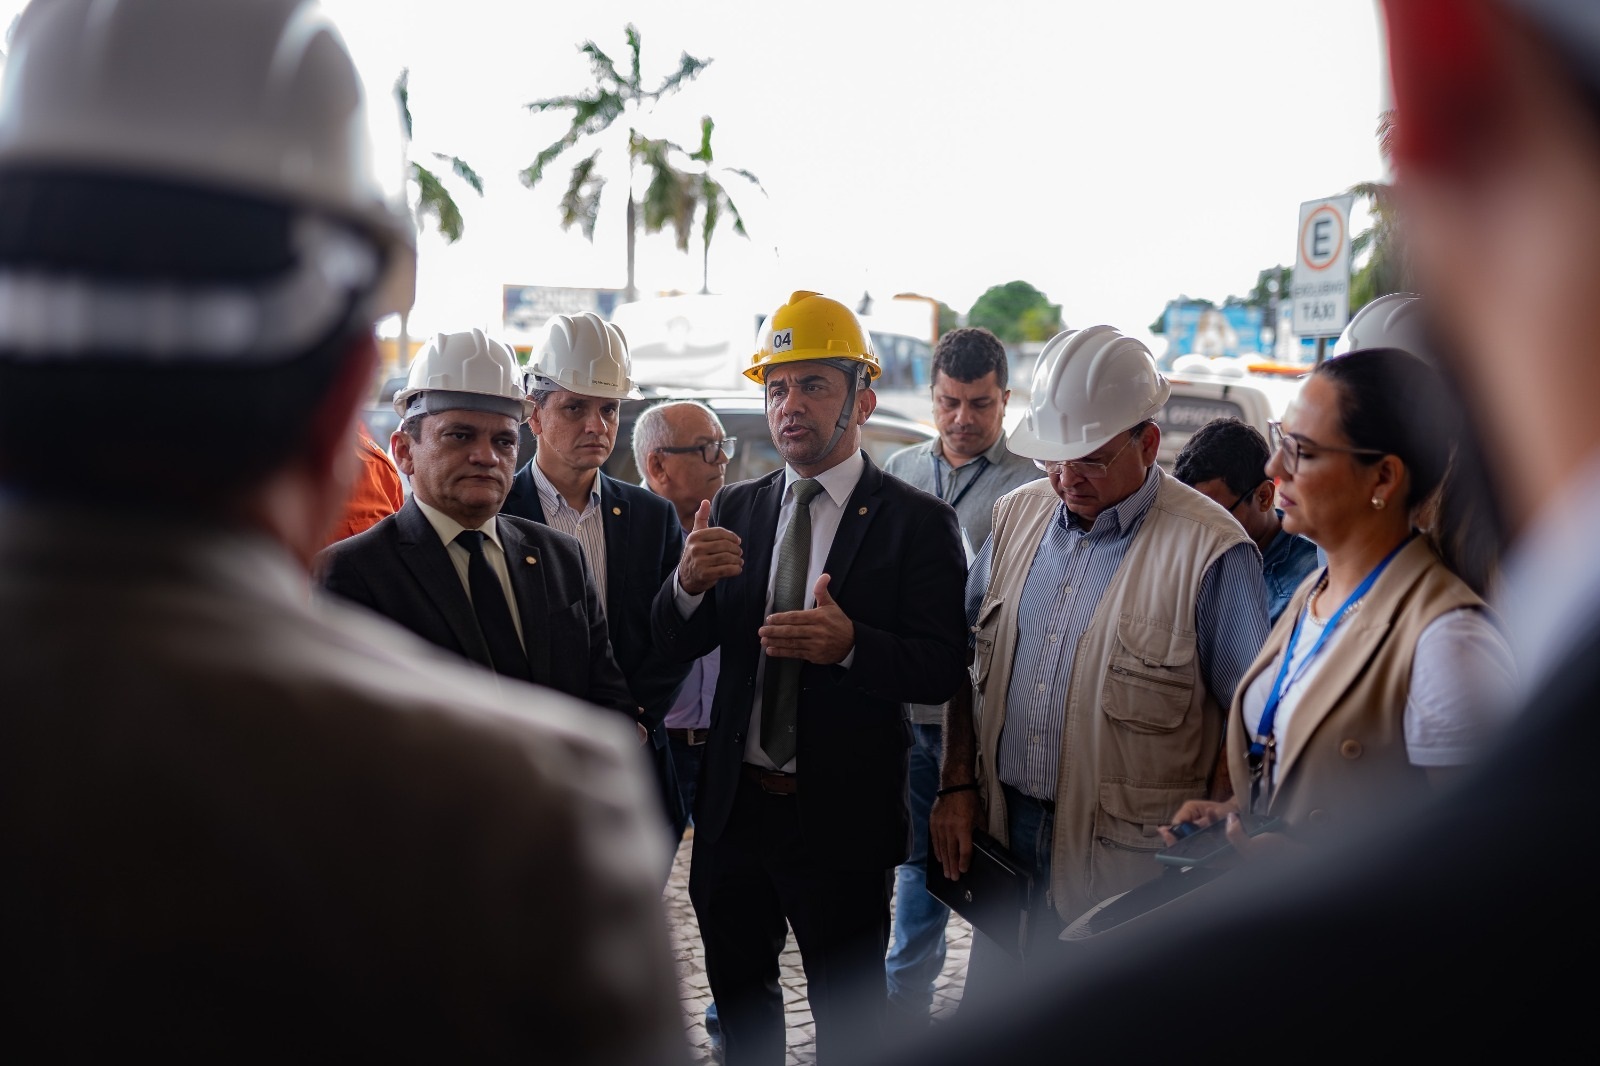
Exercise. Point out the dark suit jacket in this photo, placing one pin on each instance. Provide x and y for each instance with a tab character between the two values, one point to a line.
1458	931
401	569
898	571
643	542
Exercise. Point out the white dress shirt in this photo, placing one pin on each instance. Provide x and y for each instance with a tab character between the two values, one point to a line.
827	508
449	529
588	525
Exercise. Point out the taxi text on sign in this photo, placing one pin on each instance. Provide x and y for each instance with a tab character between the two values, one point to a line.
1320	287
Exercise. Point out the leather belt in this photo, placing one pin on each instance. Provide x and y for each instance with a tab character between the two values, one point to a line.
692	737
1015	796
771	781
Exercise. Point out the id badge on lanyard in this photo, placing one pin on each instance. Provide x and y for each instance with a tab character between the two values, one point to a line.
1263	746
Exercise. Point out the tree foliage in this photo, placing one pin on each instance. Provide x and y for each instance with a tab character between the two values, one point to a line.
1272	285
1016	312
1159	326
1383	270
714	200
670	191
432	197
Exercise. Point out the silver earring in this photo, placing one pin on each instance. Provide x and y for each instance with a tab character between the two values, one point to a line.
1377	503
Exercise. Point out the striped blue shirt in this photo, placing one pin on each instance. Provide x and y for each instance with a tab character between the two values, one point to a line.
1071	570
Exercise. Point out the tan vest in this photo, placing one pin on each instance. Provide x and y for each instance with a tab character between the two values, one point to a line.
1141	733
1345	749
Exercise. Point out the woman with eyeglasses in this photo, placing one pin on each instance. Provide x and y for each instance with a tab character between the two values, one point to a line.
1386	670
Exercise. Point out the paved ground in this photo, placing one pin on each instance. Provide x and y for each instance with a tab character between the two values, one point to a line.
696	994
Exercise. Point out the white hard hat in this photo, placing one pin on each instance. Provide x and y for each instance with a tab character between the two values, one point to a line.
1392	321
463	372
1088	386
255	98
583	354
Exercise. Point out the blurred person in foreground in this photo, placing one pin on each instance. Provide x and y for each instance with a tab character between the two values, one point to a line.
1471	917
1387	673
968	466
834	592
1112	612
682	452
1226	461
236	826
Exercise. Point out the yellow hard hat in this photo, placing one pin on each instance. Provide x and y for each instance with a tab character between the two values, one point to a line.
812	328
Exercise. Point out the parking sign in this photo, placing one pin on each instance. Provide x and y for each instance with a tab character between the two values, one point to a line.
1320	287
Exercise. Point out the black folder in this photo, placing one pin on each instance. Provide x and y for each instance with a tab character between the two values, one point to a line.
992	895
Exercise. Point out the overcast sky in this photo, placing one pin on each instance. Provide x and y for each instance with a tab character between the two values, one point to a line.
1115	154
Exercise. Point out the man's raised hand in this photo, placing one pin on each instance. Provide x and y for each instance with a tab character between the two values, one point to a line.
710	553
822	634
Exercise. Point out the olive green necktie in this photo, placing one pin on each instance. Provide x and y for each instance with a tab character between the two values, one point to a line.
781	692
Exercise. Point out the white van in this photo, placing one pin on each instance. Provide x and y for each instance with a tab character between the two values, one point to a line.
690	342
1199	396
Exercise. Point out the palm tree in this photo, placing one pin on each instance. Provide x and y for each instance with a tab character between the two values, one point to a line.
1384	270
714	199
432	198
613	96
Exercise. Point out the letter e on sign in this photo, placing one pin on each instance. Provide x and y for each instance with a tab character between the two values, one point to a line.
1322	238
1320	289
782	340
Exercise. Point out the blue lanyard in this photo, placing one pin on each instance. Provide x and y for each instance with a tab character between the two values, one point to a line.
1263	737
938	481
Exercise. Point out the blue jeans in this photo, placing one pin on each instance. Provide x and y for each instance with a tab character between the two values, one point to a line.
916	954
992	974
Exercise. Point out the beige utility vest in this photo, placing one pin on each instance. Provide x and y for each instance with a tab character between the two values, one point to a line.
1345	748
1141	733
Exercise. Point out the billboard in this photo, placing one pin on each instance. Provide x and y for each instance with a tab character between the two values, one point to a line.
525	308
1214	332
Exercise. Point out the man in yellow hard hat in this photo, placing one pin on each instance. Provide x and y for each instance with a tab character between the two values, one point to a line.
834	592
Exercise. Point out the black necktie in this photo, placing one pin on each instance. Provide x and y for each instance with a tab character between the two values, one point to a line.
780	697
494	614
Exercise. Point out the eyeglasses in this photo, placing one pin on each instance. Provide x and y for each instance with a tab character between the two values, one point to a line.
1290	446
709	450
1081	468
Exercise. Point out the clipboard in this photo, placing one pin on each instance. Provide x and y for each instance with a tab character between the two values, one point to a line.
993	895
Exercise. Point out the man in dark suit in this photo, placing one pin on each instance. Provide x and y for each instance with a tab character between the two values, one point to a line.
1460	931
834	591
576	381
457	443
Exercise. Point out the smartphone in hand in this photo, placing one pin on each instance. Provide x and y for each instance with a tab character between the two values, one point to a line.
1202	847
